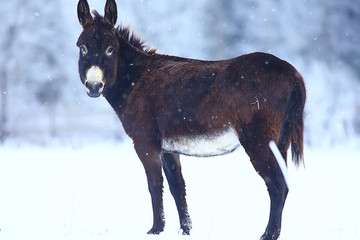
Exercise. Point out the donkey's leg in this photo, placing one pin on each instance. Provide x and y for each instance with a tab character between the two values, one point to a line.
155	184
255	140
278	192
150	156
172	169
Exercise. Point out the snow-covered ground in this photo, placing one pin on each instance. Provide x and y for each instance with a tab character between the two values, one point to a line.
99	192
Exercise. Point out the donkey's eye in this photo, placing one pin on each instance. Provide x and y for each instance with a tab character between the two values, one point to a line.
109	51
83	50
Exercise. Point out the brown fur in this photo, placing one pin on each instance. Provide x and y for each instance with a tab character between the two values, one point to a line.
157	96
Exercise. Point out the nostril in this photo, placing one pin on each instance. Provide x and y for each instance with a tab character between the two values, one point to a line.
94	86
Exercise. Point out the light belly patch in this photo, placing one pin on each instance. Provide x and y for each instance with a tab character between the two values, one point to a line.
203	145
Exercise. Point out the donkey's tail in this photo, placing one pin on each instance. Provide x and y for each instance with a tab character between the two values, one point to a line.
296	119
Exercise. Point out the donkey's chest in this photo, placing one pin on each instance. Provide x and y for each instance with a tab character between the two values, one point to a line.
203	145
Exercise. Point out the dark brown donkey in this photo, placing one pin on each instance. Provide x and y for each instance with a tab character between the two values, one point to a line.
170	105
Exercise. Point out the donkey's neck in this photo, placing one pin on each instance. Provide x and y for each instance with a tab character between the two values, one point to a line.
131	64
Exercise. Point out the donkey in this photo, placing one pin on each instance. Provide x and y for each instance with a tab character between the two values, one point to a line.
171	105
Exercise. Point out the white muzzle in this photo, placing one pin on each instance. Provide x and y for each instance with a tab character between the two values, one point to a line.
94	82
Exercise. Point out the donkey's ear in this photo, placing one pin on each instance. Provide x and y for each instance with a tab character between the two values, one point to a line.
83	12
111	11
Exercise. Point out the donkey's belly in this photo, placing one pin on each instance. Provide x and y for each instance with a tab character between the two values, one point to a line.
203	145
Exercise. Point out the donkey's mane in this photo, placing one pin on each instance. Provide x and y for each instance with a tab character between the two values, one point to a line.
127	34
134	39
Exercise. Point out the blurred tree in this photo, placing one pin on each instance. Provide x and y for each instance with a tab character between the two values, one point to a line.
342	32
7	45
48	95
36	65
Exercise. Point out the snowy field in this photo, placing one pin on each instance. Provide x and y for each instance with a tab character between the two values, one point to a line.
99	192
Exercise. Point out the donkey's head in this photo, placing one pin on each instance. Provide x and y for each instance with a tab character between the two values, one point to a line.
98	48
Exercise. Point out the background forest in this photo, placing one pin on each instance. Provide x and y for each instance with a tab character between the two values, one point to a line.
43	102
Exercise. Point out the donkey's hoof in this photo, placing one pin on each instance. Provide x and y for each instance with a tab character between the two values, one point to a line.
155	231
186	225
270	235
185	231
